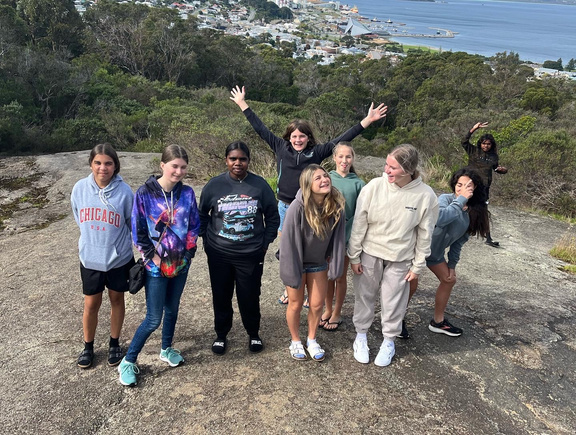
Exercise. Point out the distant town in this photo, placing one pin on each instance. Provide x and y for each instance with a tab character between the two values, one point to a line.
315	29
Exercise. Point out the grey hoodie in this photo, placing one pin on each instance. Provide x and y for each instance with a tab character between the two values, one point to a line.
301	248
103	216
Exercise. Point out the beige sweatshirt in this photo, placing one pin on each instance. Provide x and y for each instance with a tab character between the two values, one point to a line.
393	223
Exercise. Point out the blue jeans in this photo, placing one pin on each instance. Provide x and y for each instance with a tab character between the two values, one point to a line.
282	208
162	297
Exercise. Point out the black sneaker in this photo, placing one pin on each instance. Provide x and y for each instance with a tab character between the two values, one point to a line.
255	344
114	355
492	243
85	359
404	334
219	346
444	327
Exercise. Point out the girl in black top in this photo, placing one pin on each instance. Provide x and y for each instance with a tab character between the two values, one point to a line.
238	220
484	159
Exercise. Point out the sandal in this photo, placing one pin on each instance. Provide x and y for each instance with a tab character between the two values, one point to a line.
297	351
323	322
316	352
114	356
283	300
85	358
332	326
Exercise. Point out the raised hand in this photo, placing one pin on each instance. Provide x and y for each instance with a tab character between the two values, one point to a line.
239	96
468	190
478	125
374	114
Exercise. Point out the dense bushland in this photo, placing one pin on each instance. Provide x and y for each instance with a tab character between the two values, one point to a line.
142	77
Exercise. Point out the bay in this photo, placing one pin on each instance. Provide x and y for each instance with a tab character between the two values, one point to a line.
536	31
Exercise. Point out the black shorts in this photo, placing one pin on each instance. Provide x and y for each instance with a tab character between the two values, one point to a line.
94	281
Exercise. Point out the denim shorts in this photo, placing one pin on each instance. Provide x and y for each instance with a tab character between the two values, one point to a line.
314	269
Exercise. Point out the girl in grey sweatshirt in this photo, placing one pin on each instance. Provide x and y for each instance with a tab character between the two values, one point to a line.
311	252
102	204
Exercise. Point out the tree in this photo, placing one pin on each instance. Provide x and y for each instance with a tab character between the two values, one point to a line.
54	24
557	65
571	65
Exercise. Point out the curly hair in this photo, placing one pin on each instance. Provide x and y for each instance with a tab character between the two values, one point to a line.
318	217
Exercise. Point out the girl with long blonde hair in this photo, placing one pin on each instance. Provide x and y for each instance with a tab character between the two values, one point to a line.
311	252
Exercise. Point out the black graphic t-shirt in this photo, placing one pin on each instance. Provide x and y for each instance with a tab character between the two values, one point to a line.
238	216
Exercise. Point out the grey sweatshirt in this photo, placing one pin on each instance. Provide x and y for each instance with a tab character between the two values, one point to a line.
103	216
301	248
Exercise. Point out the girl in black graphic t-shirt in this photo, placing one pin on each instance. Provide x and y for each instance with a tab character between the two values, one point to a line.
238	220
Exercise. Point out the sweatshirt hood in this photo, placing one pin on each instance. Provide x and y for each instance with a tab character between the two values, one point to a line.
298	197
414	183
105	193
154	187
350	175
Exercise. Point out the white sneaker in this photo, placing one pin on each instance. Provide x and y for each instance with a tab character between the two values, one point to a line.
387	351
361	351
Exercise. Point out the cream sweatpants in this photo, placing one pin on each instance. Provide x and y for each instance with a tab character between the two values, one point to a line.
388	277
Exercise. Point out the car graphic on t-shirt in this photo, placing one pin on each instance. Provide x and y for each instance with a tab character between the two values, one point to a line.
238	226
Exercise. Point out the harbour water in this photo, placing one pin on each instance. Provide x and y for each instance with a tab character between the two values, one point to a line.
536	31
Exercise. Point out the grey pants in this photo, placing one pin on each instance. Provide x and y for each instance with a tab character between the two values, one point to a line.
388	277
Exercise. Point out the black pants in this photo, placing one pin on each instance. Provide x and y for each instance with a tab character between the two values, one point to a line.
244	271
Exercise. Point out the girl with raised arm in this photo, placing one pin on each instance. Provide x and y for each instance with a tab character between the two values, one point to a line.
463	213
484	159
297	148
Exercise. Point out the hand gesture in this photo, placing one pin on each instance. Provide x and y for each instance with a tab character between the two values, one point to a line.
451	275
238	96
374	114
478	125
468	190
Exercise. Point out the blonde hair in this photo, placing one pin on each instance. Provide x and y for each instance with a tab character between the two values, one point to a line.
407	157
319	217
345	144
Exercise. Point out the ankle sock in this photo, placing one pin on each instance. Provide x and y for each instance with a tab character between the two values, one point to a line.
361	336
296	342
89	345
310	341
114	342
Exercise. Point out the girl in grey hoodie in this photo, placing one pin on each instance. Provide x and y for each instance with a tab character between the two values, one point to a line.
311	252
102	205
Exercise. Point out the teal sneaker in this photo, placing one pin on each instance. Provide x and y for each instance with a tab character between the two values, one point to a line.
128	372
171	356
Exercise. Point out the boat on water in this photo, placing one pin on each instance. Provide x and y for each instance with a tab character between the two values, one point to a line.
375	20
389	21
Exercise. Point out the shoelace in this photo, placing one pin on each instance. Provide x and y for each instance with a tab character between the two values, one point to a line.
132	367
